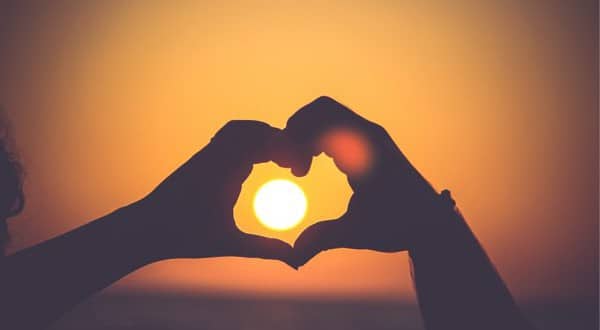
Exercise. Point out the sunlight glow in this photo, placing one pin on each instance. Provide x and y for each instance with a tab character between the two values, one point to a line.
280	204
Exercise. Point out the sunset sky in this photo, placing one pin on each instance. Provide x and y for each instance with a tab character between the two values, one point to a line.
496	101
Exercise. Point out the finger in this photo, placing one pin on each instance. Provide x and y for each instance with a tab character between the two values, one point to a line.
244	140
308	123
319	237
303	161
325	125
254	246
247	142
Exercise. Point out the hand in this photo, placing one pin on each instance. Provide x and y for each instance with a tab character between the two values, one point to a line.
190	214
390	197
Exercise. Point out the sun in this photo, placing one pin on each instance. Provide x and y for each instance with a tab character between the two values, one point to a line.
280	204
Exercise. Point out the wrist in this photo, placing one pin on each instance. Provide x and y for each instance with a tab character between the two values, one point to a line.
142	231
437	225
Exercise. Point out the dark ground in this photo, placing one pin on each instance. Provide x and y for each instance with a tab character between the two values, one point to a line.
149	312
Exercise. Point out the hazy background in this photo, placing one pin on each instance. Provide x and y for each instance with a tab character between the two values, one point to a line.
495	100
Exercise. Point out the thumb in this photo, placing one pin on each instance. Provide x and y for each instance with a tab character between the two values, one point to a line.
321	236
254	246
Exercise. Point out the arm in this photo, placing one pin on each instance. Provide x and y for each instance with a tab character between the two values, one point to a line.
393	208
40	283
457	285
189	215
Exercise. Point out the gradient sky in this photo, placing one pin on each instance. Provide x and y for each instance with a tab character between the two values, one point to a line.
497	101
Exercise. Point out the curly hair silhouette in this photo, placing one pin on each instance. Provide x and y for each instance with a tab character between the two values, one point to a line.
12	199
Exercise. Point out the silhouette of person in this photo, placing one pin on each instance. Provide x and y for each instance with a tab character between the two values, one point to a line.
190	215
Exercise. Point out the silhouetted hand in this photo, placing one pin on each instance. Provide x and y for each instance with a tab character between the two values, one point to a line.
389	198
190	213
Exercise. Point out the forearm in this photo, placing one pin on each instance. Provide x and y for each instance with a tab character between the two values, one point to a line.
40	283
457	285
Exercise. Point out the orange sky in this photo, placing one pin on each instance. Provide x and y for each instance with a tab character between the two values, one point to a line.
495	101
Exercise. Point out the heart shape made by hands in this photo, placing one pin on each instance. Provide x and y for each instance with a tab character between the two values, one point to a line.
388	193
373	166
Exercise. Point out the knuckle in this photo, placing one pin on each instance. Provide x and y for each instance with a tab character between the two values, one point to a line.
226	132
312	111
326	103
229	126
235	128
324	99
233	125
378	129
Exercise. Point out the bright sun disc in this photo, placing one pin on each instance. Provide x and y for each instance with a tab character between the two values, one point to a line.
280	204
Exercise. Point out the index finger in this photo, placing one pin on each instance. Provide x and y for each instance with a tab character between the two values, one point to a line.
325	125
247	142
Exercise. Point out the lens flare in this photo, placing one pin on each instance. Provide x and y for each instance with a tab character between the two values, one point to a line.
350	150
